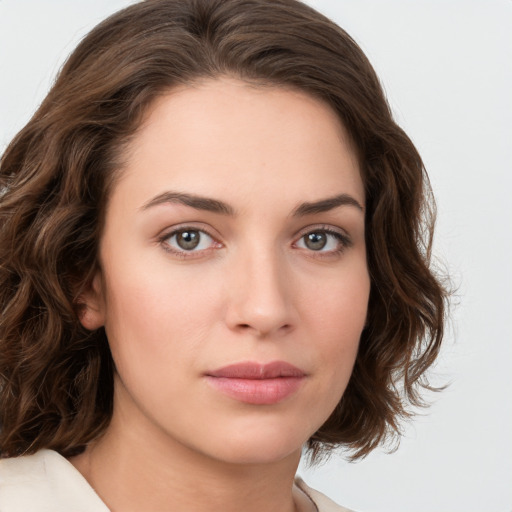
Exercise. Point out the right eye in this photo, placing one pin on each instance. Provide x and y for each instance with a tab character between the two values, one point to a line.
188	240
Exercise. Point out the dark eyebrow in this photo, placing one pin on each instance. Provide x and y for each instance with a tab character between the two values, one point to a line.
197	202
324	205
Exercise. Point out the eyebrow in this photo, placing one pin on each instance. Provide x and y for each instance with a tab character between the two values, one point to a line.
197	202
325	205
216	206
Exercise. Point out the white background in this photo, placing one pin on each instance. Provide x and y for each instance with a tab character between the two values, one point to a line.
447	69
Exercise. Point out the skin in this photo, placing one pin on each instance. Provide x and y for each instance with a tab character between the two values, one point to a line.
252	290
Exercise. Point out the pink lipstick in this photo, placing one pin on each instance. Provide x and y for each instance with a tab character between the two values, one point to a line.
255	383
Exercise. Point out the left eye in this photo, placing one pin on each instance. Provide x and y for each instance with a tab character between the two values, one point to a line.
189	240
321	241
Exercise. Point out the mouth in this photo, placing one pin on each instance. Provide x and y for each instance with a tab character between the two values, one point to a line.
256	383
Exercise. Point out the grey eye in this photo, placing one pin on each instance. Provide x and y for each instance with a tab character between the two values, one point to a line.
323	241
188	239
315	241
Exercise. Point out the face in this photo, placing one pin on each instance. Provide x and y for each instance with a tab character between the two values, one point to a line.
233	284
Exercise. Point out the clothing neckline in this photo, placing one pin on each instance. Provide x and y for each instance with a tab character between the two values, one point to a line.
50	472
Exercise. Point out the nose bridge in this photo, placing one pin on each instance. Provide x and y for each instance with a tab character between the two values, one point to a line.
260	298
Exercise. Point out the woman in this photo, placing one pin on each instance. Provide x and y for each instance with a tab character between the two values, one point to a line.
215	250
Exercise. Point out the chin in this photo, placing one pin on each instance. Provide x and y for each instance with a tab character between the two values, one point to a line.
257	446
257	455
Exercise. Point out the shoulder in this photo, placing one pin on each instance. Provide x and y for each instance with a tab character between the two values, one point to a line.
45	482
322	502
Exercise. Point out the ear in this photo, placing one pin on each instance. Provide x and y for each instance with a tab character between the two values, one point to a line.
92	304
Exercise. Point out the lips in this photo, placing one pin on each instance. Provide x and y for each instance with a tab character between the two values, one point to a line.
255	383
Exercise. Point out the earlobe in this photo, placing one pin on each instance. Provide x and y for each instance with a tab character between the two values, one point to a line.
92	309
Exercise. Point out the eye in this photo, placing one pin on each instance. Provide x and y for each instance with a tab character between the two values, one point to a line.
324	241
189	240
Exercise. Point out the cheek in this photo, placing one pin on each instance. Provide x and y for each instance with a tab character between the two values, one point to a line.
154	317
338	306
336	315
340	315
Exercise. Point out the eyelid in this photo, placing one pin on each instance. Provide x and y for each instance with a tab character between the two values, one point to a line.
192	226
344	238
329	228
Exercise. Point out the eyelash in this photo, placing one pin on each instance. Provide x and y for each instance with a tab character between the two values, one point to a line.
183	253
343	240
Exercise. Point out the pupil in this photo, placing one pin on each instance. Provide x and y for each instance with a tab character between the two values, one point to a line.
188	240
315	241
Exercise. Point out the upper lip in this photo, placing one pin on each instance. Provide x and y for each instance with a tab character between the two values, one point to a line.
257	371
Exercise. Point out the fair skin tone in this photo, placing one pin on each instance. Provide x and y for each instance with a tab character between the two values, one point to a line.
235	235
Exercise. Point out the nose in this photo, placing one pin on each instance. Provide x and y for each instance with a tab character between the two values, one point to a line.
260	295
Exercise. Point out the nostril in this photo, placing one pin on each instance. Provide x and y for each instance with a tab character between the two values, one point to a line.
285	328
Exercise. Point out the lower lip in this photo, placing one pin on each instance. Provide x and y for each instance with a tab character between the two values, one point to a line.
257	391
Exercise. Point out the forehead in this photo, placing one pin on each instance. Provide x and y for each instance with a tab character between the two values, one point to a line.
229	139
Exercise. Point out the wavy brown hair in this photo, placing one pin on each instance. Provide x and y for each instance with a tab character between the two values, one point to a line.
56	378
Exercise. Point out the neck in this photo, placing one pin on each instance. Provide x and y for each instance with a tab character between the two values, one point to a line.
132	469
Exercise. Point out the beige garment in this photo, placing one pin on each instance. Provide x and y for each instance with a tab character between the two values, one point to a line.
322	502
47	482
